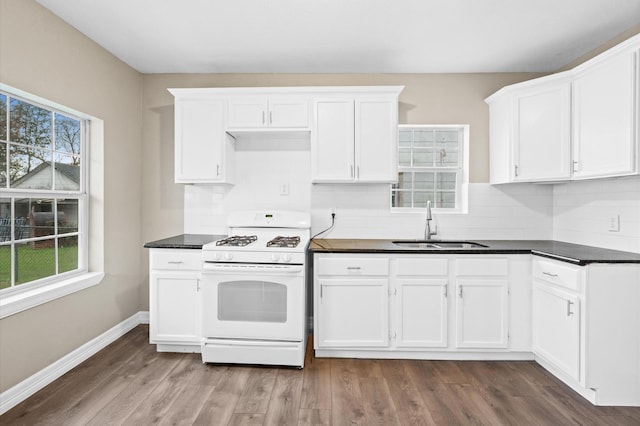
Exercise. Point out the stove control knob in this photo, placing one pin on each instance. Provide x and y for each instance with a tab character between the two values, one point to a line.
228	256
286	257
217	255
275	257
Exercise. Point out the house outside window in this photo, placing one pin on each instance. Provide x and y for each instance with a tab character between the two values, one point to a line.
43	194
432	166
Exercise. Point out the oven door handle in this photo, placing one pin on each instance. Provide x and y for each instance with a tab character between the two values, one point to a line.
252	268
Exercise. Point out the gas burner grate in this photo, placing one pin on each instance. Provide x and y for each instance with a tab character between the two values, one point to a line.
279	241
237	240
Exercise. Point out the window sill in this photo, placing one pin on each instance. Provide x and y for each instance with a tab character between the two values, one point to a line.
12	304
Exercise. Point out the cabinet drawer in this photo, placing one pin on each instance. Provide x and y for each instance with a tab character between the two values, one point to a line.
353	266
424	266
175	259
482	266
559	273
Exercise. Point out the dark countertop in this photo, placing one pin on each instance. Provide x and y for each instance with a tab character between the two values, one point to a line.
572	253
185	241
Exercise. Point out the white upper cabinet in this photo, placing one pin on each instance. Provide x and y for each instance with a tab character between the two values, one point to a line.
332	152
530	131
578	124
203	153
605	109
251	113
542	142
354	138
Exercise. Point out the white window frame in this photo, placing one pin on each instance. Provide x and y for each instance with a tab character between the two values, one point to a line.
462	171
91	237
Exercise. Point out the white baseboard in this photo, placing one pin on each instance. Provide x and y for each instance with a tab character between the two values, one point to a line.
23	390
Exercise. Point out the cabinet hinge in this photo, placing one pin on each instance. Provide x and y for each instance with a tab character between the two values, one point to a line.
575	166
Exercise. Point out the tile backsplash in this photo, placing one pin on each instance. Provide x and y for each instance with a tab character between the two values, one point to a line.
582	211
270	177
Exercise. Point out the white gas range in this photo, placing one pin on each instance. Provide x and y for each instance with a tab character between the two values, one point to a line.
253	290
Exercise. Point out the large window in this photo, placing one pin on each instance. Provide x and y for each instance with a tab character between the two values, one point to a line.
43	201
431	167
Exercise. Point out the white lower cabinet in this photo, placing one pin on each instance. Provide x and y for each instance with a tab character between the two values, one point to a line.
381	305
421	302
556	328
482	302
174	299
352	301
586	328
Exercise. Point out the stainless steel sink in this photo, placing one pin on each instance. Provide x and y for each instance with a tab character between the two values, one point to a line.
433	244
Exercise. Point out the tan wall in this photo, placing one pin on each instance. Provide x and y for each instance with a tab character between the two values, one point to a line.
42	55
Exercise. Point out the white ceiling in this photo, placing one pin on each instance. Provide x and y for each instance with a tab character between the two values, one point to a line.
348	36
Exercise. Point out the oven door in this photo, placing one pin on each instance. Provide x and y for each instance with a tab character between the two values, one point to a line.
258	302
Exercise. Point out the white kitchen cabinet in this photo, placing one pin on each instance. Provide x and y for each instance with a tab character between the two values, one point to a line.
530	131
354	138
586	328
605	109
556	328
359	298
351	302
203	151
332	148
542	145
174	299
421	302
577	124
247	113
482	302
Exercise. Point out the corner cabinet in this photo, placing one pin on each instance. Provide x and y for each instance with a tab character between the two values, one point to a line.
204	153
174	299
421	306
354	136
605	116
578	124
586	328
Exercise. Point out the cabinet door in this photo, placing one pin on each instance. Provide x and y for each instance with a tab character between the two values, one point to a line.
482	313
605	115
352	313
199	141
247	113
421	313
376	140
174	308
542	136
288	113
556	328
332	141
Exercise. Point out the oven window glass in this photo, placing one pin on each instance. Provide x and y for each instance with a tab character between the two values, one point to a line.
249	300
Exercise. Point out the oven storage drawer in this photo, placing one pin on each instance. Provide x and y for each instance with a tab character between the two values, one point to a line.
253	352
176	259
353	266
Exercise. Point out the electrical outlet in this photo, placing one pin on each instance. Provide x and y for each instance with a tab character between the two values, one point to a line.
333	210
614	223
284	188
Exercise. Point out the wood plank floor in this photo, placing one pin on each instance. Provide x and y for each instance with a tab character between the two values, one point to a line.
128	383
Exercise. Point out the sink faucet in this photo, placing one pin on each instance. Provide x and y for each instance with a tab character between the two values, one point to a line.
427	228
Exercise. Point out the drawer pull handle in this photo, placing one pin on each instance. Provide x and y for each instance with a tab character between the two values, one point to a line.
175	262
550	274
353	268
